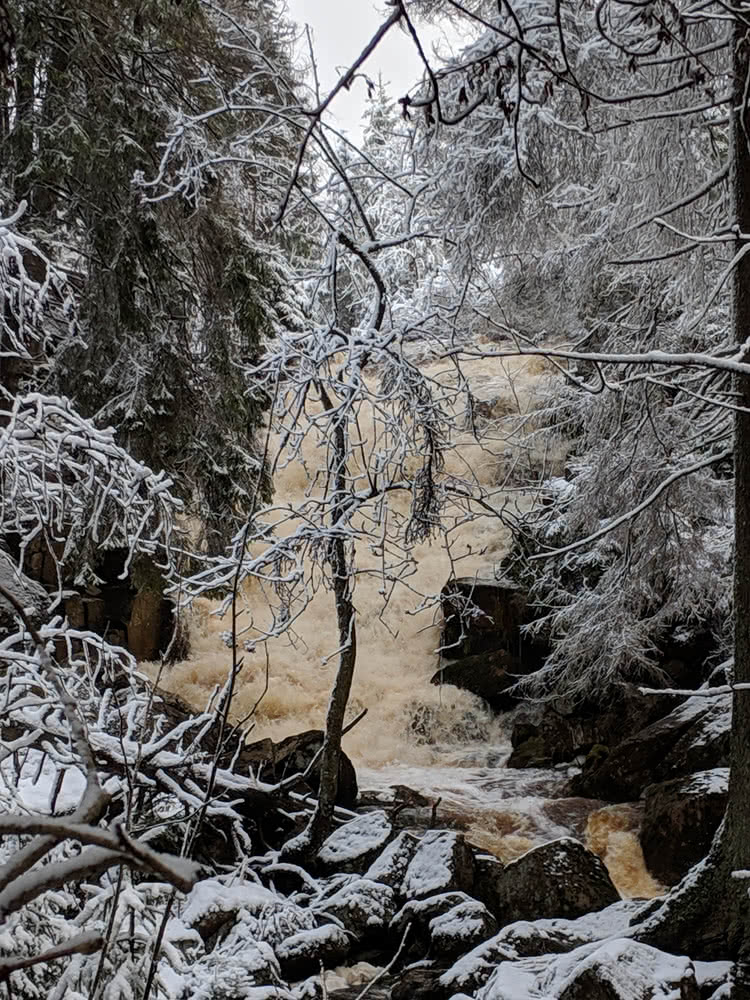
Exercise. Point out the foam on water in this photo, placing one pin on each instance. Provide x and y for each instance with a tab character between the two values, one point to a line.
437	740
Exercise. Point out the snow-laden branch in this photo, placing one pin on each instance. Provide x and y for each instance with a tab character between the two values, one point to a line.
611	525
37	307
67	481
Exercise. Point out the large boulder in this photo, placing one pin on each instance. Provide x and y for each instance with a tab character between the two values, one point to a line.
442	862
275	761
488	675
680	818
695	731
355	845
558	879
562	729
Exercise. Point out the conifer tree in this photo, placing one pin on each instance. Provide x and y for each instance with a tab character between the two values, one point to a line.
173	296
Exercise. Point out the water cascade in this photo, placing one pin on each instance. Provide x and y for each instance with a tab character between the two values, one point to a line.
439	741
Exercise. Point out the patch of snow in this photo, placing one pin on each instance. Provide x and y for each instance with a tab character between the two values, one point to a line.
212	895
359	837
431	868
712	782
35	780
464	922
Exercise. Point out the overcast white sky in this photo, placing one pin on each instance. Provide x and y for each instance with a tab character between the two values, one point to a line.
341	29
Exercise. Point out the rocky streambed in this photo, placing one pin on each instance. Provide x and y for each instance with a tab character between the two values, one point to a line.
423	915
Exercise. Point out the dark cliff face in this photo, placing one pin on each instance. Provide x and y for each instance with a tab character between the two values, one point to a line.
127	608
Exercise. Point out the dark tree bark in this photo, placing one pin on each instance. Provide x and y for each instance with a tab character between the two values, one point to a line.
308	843
708	914
737	836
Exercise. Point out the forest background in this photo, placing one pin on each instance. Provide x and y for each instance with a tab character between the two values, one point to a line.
192	257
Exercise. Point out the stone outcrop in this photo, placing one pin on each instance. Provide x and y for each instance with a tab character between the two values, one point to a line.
275	761
560	730
695	734
483	648
488	675
481	614
679	821
558	879
128	608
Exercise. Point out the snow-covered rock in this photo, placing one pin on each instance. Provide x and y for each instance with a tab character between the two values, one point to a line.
680	818
618	969
248	911
355	845
304	953
557	935
364	908
442	862
460	928
621	969
532	939
558	879
419	912
390	867
225	975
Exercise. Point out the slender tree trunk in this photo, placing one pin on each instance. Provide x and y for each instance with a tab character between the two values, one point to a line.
308	843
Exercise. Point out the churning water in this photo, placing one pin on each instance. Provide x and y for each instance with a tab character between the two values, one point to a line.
441	742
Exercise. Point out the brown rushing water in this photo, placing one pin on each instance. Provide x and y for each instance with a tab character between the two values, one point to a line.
440	741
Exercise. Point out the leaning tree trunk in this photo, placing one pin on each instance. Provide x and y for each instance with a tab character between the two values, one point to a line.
708	914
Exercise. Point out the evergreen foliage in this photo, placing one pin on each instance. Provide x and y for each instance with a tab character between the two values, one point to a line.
172	295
